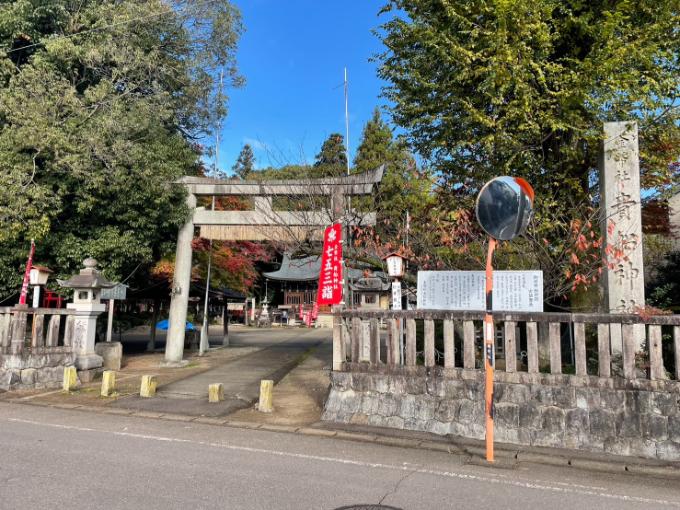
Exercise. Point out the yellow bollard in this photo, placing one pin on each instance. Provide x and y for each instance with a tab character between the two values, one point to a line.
148	388
266	389
70	378
215	393
108	383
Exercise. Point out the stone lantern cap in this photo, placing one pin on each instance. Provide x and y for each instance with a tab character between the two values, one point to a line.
88	278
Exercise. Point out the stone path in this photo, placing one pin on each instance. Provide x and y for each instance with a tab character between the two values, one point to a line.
240	377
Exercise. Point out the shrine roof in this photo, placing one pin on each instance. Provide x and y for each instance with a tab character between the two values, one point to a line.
308	268
301	269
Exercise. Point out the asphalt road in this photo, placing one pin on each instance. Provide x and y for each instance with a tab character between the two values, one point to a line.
54	458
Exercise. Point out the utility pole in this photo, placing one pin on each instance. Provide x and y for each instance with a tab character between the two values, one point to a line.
349	299
347	120
204	345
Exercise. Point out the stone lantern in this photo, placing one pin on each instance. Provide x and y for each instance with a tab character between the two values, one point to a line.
87	286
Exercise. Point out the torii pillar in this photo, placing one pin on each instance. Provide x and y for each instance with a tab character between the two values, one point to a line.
181	282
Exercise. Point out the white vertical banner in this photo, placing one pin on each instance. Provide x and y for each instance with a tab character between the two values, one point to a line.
396	295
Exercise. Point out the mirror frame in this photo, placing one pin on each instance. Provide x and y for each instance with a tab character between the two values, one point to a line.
523	208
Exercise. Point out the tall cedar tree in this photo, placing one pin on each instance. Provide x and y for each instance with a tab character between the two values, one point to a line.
403	189
245	163
332	159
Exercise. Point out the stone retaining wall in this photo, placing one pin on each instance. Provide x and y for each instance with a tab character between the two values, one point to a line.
34	370
613	415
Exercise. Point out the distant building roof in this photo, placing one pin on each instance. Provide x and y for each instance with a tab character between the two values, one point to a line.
302	269
308	268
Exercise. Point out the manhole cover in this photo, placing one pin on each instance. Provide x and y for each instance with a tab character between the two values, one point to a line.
368	507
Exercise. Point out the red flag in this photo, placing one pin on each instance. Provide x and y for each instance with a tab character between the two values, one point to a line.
330	276
27	275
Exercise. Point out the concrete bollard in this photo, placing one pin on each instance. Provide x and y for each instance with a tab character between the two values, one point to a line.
148	388
108	383
266	388
216	393
70	378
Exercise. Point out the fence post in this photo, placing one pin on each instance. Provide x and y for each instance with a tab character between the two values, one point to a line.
429	343
555	348
656	369
375	341
628	350
676	345
532	347
410	342
603	350
52	339
338	347
18	334
393	340
580	348
38	329
510	347
449	350
469	344
355	339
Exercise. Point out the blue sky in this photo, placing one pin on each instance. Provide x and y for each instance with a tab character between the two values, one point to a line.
292	55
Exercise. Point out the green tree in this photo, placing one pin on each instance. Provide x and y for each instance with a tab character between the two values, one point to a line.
101	107
245	163
522	87
403	190
332	159
376	145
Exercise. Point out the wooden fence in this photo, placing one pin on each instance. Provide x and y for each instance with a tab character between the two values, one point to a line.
35	330
604	345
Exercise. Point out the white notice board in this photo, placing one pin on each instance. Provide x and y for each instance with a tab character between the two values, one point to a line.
513	291
396	295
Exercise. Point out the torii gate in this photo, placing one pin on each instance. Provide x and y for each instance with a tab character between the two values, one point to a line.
261	223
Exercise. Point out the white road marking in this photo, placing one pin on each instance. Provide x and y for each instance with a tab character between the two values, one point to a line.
565	489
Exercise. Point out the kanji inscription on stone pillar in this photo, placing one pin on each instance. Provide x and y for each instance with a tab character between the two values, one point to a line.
622	224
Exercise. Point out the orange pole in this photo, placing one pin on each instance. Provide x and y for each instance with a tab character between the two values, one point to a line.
489	347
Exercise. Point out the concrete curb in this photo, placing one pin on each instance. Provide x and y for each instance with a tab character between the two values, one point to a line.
507	456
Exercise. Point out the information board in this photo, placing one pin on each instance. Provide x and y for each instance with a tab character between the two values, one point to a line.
396	295
118	291
513	291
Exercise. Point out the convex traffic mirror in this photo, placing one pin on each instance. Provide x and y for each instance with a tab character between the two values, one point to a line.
504	207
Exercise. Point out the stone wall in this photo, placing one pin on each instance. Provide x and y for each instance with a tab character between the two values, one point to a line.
613	415
34	370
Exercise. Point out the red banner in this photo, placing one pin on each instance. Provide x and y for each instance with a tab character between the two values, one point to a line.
330	277
27	274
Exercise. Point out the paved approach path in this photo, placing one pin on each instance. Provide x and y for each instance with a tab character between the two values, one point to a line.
54	458
282	350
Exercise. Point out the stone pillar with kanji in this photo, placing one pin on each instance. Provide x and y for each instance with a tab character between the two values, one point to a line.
623	279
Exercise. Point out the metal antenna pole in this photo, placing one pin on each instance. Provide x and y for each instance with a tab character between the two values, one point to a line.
349	300
204	345
219	128
346	121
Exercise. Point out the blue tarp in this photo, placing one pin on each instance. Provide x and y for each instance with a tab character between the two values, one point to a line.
165	324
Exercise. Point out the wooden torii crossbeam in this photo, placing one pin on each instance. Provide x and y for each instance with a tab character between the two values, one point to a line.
260	224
